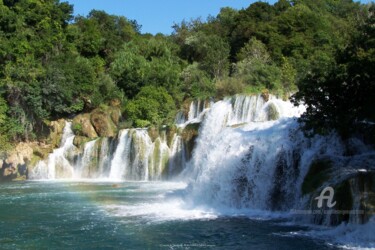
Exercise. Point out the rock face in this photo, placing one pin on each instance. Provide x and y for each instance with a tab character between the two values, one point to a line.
354	188
15	166
103	123
189	136
17	162
82	126
56	131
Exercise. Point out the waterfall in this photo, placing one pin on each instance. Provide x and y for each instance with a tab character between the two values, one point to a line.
243	152
177	156
121	156
197	109
249	166
87	163
58	164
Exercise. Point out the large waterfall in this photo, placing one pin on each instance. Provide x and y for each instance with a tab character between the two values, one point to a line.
251	154
246	153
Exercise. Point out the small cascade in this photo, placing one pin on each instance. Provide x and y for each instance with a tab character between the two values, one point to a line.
105	156
196	108
58	164
159	157
139	154
177	155
195	114
246	109
180	118
87	163
121	156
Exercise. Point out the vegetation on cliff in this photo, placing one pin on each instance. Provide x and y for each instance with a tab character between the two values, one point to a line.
54	65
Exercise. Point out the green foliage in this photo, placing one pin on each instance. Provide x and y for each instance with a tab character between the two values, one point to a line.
77	129
4	140
254	50
146	63
152	105
197	83
229	86
54	66
212	53
341	96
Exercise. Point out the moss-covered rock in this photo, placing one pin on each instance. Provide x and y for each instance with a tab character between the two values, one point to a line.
272	112
319	172
171	132
115	114
354	194
153	132
82	126
79	141
15	165
265	95
189	136
102	123
56	132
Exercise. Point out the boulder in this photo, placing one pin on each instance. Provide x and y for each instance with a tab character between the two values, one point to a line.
15	164
21	155
82	126
115	114
103	124
80	140
189	136
272	112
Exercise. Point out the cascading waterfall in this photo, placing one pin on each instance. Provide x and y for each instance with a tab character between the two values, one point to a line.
133	155
87	162
58	164
196	112
250	154
177	154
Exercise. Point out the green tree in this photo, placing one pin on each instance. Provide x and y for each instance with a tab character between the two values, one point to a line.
342	96
197	83
152	105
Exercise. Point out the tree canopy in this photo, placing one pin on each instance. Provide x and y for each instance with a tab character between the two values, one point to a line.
54	65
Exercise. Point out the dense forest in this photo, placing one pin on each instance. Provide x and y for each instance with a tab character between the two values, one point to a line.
54	65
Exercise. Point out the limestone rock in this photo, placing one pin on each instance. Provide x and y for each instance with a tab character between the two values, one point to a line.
82	126
15	164
272	112
189	136
20	155
103	123
56	131
115	115
80	140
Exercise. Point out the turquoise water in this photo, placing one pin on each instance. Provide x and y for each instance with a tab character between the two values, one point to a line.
103	215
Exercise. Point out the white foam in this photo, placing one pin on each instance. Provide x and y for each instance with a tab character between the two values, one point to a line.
346	236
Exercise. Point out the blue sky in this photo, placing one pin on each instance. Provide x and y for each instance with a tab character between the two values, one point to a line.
158	16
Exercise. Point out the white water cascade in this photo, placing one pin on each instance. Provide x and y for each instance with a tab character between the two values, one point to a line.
250	154
58	163
257	165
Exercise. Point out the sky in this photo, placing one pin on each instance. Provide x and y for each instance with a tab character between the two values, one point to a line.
159	16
